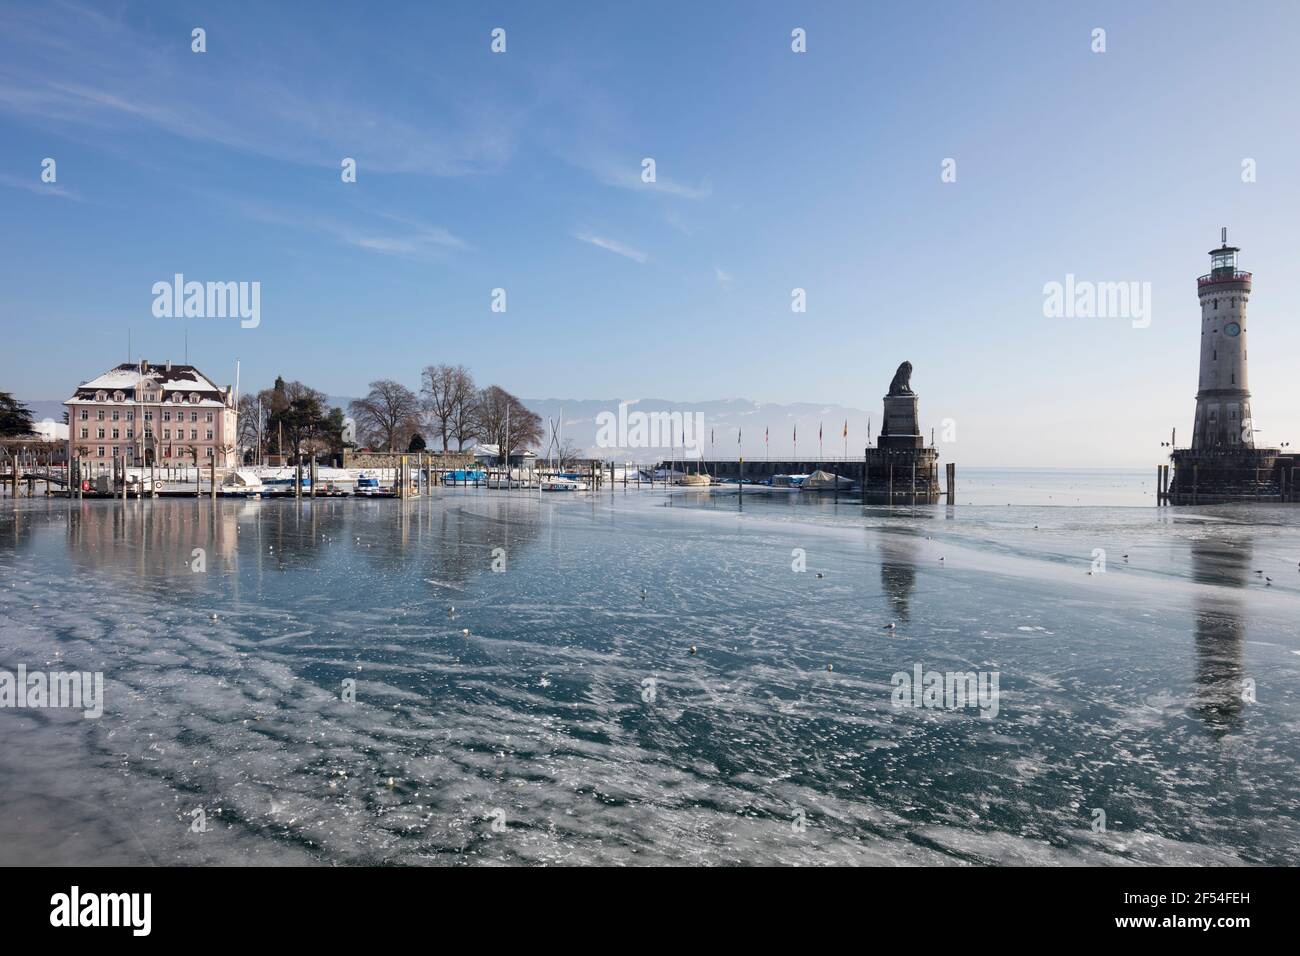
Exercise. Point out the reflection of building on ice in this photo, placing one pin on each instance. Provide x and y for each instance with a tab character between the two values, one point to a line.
898	573
155	542
1220	568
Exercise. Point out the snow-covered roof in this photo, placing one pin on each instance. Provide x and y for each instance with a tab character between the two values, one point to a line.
168	378
494	451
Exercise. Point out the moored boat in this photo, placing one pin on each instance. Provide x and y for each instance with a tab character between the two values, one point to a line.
825	481
561	483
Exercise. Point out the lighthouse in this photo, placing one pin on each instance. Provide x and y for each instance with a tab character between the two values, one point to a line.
1223	420
1224	464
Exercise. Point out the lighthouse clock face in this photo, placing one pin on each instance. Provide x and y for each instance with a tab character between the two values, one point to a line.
1232	328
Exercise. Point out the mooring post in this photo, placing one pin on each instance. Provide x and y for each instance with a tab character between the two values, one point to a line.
913	482
212	476
1195	475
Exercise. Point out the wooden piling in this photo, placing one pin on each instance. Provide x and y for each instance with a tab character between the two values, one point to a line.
951	469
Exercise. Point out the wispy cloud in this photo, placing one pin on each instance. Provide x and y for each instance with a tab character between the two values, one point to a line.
723	277
612	245
40	188
111	77
413	240
629	177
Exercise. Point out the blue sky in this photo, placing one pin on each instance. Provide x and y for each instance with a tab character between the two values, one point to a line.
775	170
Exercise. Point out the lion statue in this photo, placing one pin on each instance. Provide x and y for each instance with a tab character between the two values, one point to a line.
902	383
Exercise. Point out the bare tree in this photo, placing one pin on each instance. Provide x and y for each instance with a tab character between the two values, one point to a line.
250	424
446	390
387	414
569	454
504	421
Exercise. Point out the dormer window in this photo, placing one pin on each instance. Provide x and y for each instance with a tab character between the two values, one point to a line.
119	397
177	397
194	398
101	396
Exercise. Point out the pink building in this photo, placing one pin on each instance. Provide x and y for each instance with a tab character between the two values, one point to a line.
164	414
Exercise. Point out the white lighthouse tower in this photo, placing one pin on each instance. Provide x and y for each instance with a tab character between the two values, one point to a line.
1223	420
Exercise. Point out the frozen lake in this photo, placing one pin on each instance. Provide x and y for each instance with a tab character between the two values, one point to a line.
559	715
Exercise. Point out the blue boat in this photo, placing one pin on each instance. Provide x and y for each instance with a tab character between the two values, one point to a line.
463	477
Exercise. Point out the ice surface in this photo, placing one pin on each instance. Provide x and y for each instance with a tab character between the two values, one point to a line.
1120	690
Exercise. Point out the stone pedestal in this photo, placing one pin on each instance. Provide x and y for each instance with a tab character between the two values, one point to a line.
902	428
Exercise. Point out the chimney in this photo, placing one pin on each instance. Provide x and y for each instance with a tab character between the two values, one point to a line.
169	365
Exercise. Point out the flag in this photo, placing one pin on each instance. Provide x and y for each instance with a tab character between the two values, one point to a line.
766	435
819	431
739	432
846	428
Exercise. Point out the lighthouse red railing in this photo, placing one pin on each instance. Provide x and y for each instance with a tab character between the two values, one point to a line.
1224	276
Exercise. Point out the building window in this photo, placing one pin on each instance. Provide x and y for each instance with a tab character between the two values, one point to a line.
194	416
118	396
209	452
99	415
167	416
194	434
209	416
99	433
117	433
99	397
209	434
194	398
101	451
130	416
116	415
85	414
85	433
148	416
130	433
167	433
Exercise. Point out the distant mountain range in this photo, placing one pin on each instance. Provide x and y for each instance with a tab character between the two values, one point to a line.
716	424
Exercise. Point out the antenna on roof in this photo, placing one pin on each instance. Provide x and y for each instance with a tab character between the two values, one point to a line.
1225	235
